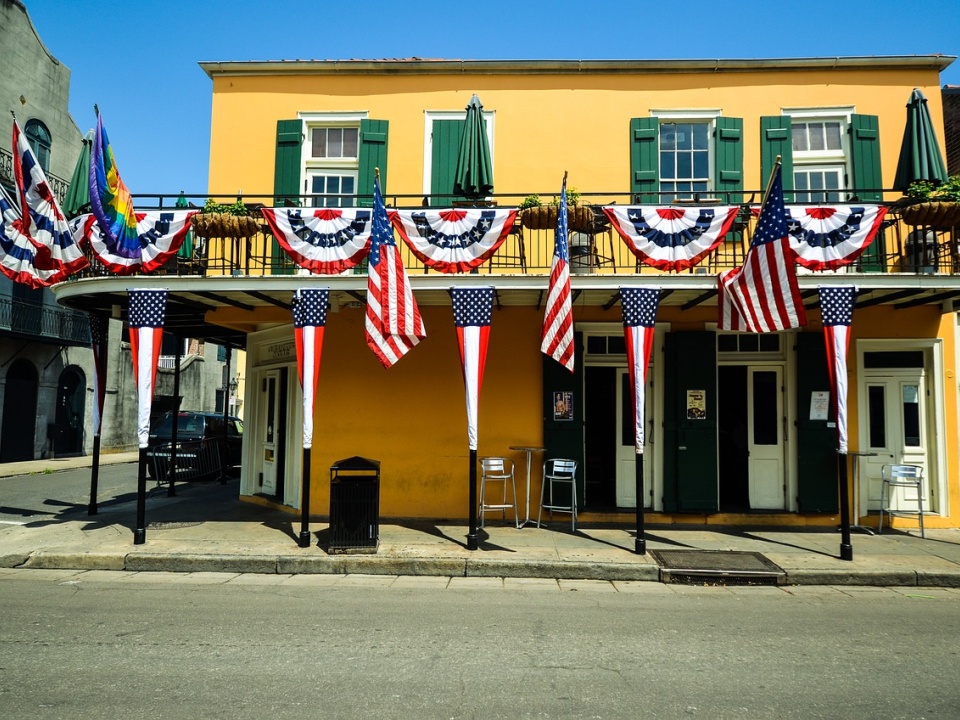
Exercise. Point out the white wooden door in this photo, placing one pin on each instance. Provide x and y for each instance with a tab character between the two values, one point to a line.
765	446
626	447
268	427
895	429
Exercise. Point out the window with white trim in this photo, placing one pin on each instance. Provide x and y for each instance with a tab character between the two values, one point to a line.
820	157
331	159
686	152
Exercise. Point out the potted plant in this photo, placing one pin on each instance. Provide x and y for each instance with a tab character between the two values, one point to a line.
537	216
931	205
224	221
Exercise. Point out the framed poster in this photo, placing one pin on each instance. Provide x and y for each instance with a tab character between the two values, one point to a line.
563	405
819	404
696	404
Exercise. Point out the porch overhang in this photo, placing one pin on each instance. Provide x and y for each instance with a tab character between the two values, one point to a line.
225	309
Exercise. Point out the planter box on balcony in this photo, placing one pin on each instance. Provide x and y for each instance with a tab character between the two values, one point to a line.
545	217
220	225
938	215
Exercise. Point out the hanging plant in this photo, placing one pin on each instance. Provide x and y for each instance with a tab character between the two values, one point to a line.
224	221
930	205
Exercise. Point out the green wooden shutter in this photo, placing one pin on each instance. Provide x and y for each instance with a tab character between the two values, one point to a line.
286	183
644	160
564	438
729	153
868	181
443	162
690	443
373	155
816	439
776	139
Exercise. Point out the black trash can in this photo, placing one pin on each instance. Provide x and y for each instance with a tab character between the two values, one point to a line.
355	505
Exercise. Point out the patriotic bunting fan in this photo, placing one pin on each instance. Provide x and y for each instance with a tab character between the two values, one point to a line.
325	241
456	240
160	233
826	238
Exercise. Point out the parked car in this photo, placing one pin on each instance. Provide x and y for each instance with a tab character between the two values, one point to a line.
200	444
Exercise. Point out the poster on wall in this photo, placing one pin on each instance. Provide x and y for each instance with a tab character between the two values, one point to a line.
563	405
819	404
696	404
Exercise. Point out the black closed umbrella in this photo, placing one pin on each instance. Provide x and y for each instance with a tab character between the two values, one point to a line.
920	157
474	174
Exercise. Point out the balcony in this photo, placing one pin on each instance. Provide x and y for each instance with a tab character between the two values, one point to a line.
44	324
57	184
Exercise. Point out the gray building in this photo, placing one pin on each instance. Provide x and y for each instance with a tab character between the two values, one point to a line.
46	363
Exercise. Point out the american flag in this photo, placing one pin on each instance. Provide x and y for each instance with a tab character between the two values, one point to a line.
145	316
558	318
639	306
309	320
763	295
393	324
98	336
836	308
472	313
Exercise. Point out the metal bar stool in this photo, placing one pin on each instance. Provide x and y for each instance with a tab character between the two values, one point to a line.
498	470
562	472
903	476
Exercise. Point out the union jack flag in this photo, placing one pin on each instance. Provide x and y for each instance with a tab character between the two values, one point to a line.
836	308
763	295
639	306
309	320
393	324
472	313
145	315
558	317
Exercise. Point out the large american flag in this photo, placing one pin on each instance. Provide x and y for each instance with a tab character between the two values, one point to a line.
145	315
558	318
309	320
393	324
98	335
836	308
763	295
472	313
639	306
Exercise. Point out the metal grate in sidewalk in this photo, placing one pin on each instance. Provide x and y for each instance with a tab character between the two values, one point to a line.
719	567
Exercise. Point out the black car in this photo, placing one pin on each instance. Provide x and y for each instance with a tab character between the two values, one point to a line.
202	449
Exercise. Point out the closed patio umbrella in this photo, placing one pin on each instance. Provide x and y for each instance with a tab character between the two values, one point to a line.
186	249
474	174
77	199
920	157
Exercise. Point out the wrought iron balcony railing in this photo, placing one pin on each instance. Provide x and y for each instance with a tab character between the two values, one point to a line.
44	323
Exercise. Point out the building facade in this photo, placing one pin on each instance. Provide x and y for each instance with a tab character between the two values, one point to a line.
735	429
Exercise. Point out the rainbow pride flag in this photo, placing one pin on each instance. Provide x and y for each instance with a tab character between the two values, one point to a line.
110	200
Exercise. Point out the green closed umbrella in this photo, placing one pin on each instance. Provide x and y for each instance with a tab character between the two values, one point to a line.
186	249
474	175
920	157
77	199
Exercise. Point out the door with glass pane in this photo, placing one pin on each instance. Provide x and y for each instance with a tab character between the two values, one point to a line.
268	429
896	430
765	423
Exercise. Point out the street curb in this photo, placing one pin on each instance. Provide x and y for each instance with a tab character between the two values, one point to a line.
864	577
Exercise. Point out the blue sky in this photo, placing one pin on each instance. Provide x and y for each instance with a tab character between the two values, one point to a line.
138	60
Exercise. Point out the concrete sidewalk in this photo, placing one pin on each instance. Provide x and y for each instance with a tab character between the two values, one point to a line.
206	528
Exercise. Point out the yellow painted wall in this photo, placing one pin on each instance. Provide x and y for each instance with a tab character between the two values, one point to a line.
545	124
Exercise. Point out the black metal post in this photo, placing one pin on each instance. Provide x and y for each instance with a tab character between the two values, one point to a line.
472	541
140	533
94	475
640	543
226	413
846	548
172	466
305	501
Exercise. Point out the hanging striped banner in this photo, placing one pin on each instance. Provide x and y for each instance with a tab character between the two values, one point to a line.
325	241
671	238
454	240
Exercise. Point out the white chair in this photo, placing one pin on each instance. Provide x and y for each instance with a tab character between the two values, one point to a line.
498	470
901	476
562	472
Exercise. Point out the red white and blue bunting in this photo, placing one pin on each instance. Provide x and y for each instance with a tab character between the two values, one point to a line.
454	240
161	233
826	238
325	241
671	238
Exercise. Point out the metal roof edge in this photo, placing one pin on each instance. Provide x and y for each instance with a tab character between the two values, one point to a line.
404	66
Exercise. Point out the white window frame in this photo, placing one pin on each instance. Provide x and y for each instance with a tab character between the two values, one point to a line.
429	116
818	160
707	116
309	165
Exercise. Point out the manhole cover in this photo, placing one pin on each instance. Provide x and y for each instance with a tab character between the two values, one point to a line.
172	525
721	566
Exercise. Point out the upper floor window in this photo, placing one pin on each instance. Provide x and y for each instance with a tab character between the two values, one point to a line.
684	158
820	163
39	138
331	159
